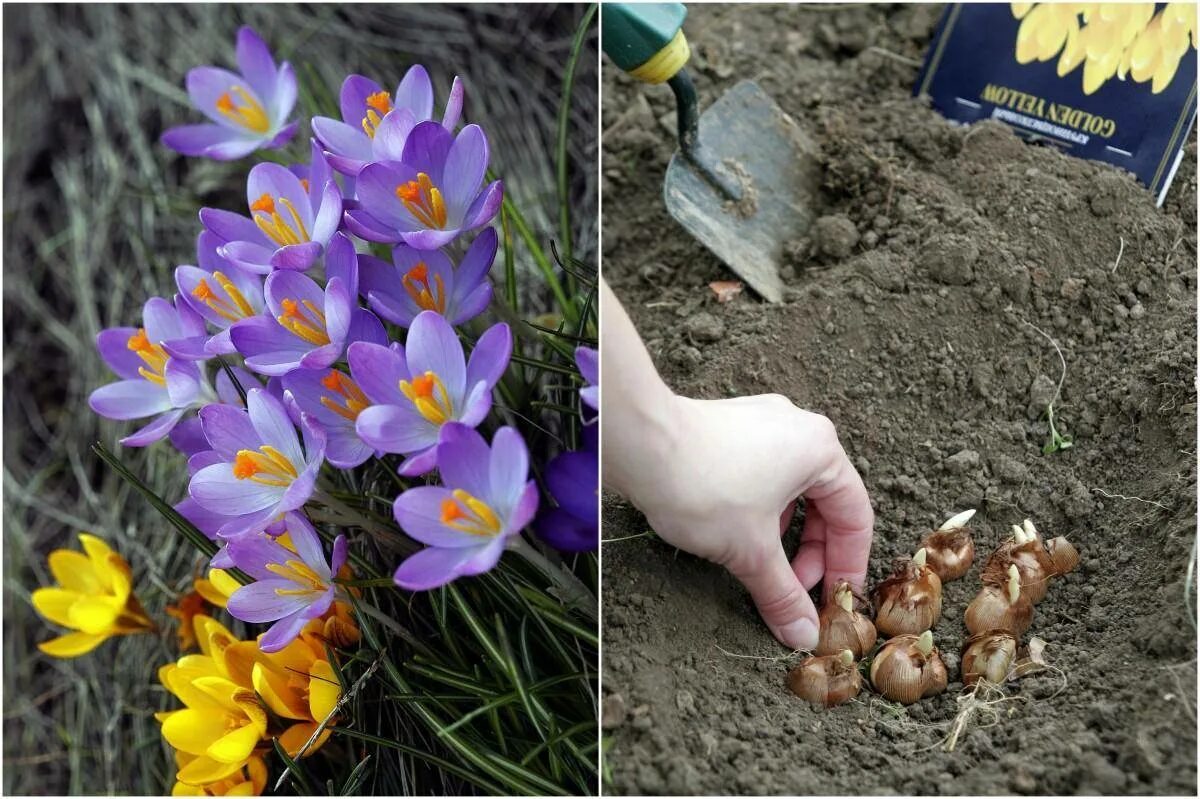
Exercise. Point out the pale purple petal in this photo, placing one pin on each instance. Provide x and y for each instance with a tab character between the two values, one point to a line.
329	214
426	150
433	346
205	85
249	255
279	183
340	139
485	207
466	164
353	98
365	326
273	425
463	458
395	428
473	304
155	431
251	553
306	543
418	511
183	381
297	257
260	601
391	134
282	633
490	357
477	404
367	227
129	399
378	371
217	489
339	554
454	105
422	239
113	344
433	567
285	133
188	436
255	62
508	467
418	463
286	91
229	226
415	92
524	511
228	429
209	140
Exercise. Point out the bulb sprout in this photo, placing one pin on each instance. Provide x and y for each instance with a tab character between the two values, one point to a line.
958	520
924	643
844	599
1030	530
847	657
919	558
1014	583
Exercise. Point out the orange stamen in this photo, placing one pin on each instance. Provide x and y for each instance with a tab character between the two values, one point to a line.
451	511
263	203
380	101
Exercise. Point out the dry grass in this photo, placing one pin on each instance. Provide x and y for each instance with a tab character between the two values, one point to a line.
96	216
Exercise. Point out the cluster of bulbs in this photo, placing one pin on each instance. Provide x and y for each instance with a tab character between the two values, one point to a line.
907	666
1109	39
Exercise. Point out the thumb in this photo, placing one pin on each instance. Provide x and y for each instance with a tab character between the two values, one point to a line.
781	600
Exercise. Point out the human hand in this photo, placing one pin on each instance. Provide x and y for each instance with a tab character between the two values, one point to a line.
724	483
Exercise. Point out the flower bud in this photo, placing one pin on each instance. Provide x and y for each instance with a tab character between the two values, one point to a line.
1063	554
949	549
826	680
1025	551
1000	606
988	656
910	601
843	627
907	668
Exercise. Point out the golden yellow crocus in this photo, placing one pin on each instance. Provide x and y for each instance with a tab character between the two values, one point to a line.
93	596
217	587
249	780
298	683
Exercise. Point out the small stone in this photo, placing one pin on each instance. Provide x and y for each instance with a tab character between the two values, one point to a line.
704	328
1009	469
836	235
685	702
950	259
962	461
612	711
1137	311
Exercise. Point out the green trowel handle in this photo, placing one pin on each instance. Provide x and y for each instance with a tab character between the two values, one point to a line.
645	39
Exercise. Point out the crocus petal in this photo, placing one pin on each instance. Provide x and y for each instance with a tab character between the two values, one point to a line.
418	463
567	533
217	489
342	140
365	326
378	371
297	257
284	135
306	542
429	239
282	633
415	92
427	148
183	381
485	207
479	258
273	425
209	140
286	91
463	458
341	262
155	431
329	214
234	746
288	285
433	346
466	164
262	601
345	449
365	226
249	255
525	509
395	428
113	344
391	134
376	190
353	97
490	357
574	479
339	554
228	429
433	567
205	85
454	104
129	399
204	520
255	62
476	405
228	226
278	183
188	436
473	304
508	467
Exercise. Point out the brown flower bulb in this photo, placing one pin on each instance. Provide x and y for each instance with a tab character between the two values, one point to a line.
988	656
949	549
843	627
1063	554
910	601
826	680
1025	551
1000	606
907	668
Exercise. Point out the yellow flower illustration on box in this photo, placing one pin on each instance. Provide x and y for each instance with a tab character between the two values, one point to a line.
94	598
1122	40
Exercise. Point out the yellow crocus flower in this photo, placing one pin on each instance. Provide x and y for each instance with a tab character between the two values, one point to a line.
217	588
93	596
298	683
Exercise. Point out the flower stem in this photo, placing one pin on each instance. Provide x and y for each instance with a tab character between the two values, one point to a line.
570	589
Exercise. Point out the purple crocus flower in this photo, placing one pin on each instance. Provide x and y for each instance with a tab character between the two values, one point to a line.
220	292
308	327
588	361
293	586
291	219
375	126
426	280
486	499
433	194
573	479
259	470
188	436
250	110
417	389
335	400
153	382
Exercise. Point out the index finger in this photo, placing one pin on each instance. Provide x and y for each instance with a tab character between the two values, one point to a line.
849	521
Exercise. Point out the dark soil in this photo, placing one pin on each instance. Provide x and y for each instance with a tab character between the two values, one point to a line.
908	321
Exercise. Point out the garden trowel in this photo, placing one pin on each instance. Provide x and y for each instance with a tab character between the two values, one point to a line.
744	179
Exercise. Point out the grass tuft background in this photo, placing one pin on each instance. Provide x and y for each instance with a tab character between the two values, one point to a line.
97	215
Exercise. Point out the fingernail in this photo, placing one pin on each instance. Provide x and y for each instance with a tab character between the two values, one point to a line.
800	634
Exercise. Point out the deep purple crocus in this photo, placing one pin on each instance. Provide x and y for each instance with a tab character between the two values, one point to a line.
433	194
219	291
573	479
308	327
588	361
426	280
334	399
262	470
417	389
291	219
250	110
153	382
486	499
375	125
293	586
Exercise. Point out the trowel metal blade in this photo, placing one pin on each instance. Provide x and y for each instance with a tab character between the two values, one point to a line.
747	137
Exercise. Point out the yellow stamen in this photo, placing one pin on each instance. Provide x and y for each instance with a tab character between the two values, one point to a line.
300	573
378	104
429	298
470	515
424	201
268	461
270	222
353	401
154	356
249	114
310	328
428	395
233	306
